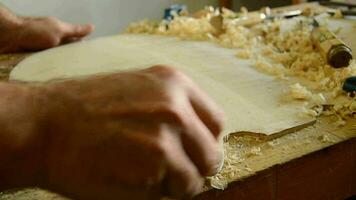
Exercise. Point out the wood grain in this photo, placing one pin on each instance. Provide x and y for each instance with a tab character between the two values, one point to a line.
327	174
226	3
251	100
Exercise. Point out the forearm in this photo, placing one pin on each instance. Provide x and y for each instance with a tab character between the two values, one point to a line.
20	146
7	18
32	34
10	24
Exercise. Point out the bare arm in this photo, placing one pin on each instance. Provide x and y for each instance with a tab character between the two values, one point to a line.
8	18
31	34
20	150
133	135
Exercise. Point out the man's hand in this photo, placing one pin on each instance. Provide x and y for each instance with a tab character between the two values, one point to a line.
132	135
31	34
43	33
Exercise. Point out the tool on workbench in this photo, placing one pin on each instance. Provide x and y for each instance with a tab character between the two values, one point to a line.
346	9
249	19
350	84
343	12
334	51
176	9
265	13
262	15
338	4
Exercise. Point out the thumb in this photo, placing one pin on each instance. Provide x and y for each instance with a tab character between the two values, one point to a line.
77	31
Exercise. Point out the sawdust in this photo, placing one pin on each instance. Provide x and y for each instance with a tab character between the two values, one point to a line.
326	139
278	51
284	53
299	92
30	194
245	154
281	54
244	54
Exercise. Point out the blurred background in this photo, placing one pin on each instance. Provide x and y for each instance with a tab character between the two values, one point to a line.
109	16
112	16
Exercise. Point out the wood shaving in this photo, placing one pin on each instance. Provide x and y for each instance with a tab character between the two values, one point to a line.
244	54
310	112
255	151
273	143
326	139
318	99
277	51
300	92
285	53
338	14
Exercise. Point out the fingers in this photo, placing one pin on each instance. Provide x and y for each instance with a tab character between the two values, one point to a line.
182	178
200	119
76	31
206	109
70	40
200	144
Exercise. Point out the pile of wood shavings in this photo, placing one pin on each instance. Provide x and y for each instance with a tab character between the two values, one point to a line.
288	54
296	52
246	155
184	27
237	150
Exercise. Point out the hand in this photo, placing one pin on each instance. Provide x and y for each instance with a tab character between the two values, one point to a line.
131	135
32	34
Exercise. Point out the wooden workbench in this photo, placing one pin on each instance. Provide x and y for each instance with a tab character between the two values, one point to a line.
229	3
318	162
315	163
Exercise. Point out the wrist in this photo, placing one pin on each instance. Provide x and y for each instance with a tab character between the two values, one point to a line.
10	28
21	138
9	20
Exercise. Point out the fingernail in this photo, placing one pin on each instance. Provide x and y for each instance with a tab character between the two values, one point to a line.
91	27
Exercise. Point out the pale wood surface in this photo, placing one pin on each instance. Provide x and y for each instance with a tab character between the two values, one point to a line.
273	152
251	100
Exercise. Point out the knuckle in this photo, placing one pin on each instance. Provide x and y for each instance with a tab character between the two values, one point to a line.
173	112
53	23
169	107
78	29
167	72
220	120
216	121
50	19
161	148
162	68
52	41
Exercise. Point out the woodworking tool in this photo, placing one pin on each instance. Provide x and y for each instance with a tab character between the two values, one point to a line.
338	4
350	84
264	14
334	51
174	9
